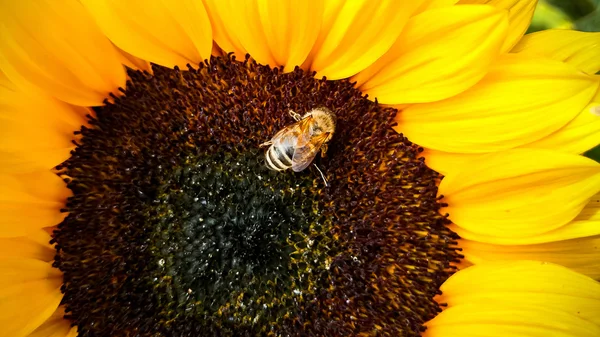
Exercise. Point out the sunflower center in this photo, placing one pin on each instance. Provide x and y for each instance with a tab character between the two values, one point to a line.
177	228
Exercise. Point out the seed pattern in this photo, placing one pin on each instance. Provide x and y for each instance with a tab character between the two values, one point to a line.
176	227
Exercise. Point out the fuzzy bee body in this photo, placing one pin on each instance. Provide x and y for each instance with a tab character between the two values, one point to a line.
296	145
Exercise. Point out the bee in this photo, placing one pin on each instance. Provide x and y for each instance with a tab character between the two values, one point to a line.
296	145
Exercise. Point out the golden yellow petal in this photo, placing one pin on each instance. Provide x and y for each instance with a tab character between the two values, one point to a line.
431	4
525	279
29	295
34	246
37	130
580	49
354	34
447	162
169	33
55	326
585	224
30	202
581	255
278	33
520	192
133	62
521	100
73	332
427	64
518	298
55	46
578	136
520	13
492	319
246	19
224	26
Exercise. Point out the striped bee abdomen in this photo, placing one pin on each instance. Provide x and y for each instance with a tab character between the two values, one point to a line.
279	158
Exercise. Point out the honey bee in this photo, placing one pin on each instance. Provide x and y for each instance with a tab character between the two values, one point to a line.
296	145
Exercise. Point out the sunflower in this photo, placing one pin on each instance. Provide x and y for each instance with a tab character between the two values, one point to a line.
135	200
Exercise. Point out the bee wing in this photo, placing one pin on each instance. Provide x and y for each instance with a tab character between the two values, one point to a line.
304	155
304	136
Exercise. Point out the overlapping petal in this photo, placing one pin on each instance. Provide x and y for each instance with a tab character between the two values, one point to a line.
581	255
55	326
221	14
578	136
35	246
277	33
54	45
520	13
431	4
585	224
37	130
29	295
521	298
520	192
169	33
356	33
574	245
521	100
580	49
133	62
29	202
427	64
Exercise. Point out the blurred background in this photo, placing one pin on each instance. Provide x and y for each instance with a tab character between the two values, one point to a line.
583	15
567	14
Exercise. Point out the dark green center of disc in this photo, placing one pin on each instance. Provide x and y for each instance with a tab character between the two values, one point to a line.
177	228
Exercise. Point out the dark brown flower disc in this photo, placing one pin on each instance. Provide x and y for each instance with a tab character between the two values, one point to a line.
177	228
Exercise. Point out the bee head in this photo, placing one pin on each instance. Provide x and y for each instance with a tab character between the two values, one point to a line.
324	118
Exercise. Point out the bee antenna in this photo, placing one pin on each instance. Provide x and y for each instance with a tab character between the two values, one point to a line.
322	175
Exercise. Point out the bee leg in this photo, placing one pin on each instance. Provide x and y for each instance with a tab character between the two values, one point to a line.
322	175
266	144
324	148
296	116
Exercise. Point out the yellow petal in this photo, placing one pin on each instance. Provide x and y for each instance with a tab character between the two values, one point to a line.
518	298
493	319
580	49
520	13
519	101
427	63
224	26
447	162
578	136
30	202
525	280
278	33
35	246
356	33
55	326
133	62
585	224
520	192
37	130
29	295
73	332
435	4
169	33
581	255
54	46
